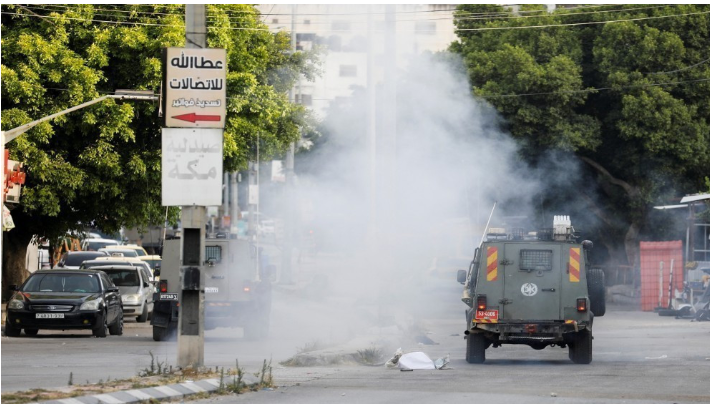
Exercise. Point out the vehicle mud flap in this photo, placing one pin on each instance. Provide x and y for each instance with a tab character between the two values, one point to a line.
164	312
476	345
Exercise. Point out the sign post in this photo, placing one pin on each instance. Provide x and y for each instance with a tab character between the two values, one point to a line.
194	107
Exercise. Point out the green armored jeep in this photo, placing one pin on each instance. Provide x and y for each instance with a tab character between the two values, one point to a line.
534	289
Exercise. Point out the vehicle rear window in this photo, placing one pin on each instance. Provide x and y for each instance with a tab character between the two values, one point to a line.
214	252
126	252
535	260
94	245
74	260
123	277
78	283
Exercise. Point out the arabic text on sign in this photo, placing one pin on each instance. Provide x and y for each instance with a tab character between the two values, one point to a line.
193	174
184	102
192	62
184	147
189	84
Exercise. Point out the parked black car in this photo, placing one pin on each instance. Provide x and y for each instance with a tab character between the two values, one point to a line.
60	299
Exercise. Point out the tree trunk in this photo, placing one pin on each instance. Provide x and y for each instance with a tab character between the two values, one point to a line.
14	253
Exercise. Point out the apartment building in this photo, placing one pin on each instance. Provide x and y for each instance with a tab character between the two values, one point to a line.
342	32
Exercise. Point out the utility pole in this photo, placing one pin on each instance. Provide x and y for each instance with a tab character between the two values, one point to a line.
191	319
371	125
289	200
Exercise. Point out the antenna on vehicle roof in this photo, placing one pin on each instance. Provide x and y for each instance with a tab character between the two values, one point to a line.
485	231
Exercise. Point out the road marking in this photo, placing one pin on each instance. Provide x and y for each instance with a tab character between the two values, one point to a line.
168	391
193	387
139	394
108	399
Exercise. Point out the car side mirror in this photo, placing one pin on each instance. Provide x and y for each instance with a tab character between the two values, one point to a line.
156	271
210	262
14	288
113	289
461	276
146	284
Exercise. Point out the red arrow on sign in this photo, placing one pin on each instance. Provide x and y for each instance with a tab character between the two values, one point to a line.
193	117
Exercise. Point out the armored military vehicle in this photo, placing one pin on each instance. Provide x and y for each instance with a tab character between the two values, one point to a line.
532	288
237	288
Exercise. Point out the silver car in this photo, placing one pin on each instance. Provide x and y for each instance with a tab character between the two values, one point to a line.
136	287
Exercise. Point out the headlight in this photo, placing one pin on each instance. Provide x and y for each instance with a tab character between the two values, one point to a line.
91	304
131	298
16	303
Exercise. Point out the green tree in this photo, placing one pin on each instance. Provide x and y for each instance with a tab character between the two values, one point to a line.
628	99
100	166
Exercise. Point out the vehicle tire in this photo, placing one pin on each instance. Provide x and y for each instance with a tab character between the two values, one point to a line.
11	330
31	332
101	330
597	291
117	327
476	348
580	348
144	315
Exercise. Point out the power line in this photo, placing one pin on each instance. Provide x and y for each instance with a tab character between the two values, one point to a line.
683	69
589	90
582	23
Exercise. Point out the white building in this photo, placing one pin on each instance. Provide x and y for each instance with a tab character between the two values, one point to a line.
342	31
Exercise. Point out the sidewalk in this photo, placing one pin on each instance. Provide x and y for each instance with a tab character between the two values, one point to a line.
170	392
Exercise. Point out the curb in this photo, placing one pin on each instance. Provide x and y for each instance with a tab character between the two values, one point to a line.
170	392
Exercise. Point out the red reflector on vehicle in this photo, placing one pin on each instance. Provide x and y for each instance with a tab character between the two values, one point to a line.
481	303
582	304
163	286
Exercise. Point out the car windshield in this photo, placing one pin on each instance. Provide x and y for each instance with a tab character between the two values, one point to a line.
152	263
74	260
73	283
123	277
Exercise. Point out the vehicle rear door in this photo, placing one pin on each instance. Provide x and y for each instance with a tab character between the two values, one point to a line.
217	272
532	281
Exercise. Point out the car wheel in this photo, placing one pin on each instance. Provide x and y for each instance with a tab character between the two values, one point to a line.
580	348
476	348
117	327
144	315
31	332
11	330
101	328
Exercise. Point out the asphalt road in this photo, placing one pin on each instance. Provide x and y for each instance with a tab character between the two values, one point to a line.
638	357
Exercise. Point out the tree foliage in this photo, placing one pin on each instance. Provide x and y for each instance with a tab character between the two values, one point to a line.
629	98
100	166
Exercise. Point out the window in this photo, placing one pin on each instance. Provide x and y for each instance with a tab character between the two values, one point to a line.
305	99
341	26
348	71
213	252
274	20
535	260
425	28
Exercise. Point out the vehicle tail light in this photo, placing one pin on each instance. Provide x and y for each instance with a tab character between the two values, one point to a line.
582	304
481	303
163	286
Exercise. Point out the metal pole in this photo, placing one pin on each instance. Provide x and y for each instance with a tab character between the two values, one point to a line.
289	225
371	126
191	348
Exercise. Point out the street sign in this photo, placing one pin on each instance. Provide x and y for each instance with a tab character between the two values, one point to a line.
192	167
194	87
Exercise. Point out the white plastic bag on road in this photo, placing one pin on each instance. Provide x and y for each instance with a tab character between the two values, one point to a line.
416	361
